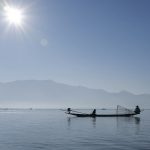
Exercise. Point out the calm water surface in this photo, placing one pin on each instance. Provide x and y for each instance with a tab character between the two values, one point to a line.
53	130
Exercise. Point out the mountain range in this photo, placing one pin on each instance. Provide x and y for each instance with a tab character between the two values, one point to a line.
50	94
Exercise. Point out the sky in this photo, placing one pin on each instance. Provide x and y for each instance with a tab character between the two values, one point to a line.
101	44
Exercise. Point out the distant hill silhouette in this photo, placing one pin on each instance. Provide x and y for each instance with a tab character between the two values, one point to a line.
50	94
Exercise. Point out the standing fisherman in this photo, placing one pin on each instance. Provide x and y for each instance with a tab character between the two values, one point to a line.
69	110
137	110
94	113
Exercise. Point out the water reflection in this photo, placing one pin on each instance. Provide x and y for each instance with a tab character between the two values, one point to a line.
69	121
124	125
120	121
132	120
94	121
137	120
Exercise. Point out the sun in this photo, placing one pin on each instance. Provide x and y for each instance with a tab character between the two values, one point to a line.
13	15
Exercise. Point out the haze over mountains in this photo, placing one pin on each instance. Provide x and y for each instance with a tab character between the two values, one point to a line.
50	94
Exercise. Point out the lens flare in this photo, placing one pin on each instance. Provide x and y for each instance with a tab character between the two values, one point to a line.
13	15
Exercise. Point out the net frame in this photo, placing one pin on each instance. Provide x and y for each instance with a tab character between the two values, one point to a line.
123	110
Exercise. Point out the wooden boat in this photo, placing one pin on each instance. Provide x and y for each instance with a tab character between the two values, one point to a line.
101	115
127	113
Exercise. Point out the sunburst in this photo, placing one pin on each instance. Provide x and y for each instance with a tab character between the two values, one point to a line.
13	15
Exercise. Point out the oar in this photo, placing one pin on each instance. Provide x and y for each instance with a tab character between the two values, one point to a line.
78	112
72	111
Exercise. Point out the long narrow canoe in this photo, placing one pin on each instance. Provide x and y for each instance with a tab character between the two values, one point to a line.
127	113
101	115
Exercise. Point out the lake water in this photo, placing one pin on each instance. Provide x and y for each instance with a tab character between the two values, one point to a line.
54	130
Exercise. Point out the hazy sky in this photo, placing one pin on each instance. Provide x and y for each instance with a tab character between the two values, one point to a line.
95	43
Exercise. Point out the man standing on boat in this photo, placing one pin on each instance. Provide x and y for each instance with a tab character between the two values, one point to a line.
137	110
69	110
94	113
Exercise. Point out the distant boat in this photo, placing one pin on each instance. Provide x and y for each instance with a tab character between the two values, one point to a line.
120	112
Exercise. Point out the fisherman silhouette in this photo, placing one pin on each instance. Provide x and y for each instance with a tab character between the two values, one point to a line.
137	110
69	110
94	113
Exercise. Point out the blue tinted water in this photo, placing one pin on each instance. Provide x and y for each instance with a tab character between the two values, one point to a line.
53	130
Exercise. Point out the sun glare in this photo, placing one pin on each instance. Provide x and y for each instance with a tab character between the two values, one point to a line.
13	15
